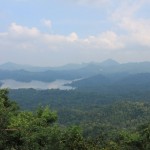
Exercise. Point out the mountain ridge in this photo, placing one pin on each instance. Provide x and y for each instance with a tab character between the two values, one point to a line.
71	66
108	68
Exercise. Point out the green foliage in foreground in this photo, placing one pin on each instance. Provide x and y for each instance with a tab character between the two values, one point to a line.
26	130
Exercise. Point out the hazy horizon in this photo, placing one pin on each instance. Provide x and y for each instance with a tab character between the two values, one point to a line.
80	63
60	32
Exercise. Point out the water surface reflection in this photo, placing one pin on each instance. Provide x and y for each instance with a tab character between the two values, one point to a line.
58	84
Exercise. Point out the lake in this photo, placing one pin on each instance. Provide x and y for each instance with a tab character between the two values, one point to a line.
58	84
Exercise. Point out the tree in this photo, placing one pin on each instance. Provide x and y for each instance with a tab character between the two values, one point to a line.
28	130
7	110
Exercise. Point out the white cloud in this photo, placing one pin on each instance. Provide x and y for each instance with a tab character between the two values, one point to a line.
47	23
28	42
126	31
21	34
137	29
31	44
106	40
73	37
19	30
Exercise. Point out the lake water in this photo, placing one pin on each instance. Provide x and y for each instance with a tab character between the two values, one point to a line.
58	84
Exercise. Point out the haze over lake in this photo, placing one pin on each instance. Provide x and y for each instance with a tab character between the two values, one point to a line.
58	84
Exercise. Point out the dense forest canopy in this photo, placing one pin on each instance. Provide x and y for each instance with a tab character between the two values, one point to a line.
109	109
121	125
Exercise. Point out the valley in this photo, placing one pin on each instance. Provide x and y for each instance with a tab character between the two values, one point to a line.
99	100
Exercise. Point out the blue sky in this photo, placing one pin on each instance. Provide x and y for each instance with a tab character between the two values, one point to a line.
54	33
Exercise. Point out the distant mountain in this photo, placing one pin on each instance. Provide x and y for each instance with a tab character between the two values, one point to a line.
46	76
71	66
114	83
109	62
136	80
12	66
106	67
109	69
140	67
94	81
112	67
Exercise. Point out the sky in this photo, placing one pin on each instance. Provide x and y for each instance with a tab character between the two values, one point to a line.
58	32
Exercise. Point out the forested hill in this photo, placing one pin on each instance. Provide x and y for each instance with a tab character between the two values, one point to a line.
114	83
120	126
47	76
70	72
76	107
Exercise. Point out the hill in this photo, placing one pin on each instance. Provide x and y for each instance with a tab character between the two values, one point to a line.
106	74
114	83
